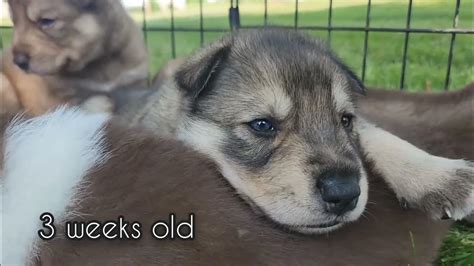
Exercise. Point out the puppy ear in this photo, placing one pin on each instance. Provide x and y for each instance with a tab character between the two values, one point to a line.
356	84
199	71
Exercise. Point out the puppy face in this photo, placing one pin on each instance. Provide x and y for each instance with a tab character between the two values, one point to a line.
273	108
51	36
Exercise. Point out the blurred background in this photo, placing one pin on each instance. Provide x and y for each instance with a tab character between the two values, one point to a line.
176	28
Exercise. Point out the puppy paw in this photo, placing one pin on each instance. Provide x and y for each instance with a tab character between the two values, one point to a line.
451	195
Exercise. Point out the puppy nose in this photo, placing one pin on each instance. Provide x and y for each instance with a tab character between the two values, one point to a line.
22	60
340	193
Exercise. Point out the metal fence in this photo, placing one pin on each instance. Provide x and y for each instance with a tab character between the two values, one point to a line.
234	21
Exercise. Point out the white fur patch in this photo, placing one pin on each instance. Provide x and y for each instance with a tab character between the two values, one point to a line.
340	97
278	100
205	137
405	167
45	160
411	172
88	25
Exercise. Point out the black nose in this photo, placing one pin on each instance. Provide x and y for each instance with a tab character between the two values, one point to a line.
340	191
22	61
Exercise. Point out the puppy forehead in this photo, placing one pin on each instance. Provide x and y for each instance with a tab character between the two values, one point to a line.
341	95
275	100
265	78
278	90
51	8
245	101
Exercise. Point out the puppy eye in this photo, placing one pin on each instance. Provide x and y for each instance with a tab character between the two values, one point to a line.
262	126
46	22
346	120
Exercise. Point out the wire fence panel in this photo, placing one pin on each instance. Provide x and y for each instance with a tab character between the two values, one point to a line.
369	43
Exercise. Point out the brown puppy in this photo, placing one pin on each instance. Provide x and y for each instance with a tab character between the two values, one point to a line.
69	50
134	174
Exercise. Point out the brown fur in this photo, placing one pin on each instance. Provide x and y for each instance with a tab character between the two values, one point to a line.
441	123
8	97
96	49
147	178
24	91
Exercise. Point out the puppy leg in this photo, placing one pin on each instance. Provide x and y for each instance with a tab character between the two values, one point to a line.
440	186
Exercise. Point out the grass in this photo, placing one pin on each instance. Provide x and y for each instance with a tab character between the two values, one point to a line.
458	247
427	53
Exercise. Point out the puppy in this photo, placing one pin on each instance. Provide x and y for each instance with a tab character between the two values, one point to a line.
302	167
269	111
86	168
67	51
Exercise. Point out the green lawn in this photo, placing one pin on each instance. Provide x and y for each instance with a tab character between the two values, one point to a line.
427	54
458	246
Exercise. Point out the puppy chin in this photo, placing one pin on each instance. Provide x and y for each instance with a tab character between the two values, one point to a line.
347	218
318	230
326	227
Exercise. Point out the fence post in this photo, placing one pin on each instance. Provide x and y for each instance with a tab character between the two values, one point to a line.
366	40
234	16
405	47
451	45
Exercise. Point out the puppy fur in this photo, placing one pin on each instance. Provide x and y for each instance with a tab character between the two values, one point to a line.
224	86
92	48
132	173
137	161
71	139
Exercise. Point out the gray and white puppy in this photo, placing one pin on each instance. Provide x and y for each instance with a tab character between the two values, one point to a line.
275	110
